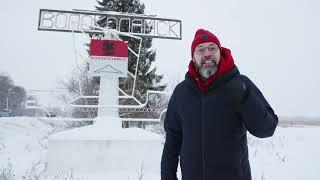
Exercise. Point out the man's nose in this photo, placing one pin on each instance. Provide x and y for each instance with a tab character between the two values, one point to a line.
207	53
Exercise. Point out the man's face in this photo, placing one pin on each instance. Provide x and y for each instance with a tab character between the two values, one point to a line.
206	58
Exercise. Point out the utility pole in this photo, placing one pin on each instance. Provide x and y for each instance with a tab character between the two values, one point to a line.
7	103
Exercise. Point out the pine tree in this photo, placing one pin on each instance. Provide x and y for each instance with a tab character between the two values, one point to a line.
14	95
147	78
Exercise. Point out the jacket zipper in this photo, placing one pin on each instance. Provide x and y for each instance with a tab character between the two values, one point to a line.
203	160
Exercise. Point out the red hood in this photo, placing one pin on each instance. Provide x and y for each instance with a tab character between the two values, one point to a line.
226	64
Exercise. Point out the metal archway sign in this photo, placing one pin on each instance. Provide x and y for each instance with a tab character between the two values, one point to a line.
138	25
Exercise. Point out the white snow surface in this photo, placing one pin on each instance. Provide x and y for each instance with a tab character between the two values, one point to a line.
23	143
292	153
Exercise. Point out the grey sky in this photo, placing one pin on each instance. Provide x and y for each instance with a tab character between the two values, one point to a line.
274	42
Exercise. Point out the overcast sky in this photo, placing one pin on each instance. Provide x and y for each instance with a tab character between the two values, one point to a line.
275	43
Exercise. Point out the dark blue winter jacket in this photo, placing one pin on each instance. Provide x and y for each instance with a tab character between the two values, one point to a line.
208	131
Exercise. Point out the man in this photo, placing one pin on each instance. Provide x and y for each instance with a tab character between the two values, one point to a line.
209	114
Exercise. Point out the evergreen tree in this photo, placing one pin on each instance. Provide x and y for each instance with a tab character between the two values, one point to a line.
11	96
147	78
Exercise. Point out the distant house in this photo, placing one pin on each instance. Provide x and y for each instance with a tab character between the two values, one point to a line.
32	108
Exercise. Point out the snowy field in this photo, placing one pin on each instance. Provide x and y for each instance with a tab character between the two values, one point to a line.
292	153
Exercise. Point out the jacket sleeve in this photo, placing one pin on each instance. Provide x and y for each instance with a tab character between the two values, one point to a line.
256	113
172	145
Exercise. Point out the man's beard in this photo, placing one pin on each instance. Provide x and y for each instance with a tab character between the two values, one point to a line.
206	72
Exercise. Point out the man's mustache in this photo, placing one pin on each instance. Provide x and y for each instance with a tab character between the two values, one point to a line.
208	59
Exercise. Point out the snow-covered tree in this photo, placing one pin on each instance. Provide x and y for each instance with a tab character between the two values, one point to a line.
11	95
147	77
80	83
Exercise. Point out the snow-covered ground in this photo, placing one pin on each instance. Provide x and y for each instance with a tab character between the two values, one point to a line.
23	145
292	153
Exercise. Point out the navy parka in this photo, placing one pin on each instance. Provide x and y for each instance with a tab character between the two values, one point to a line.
207	133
